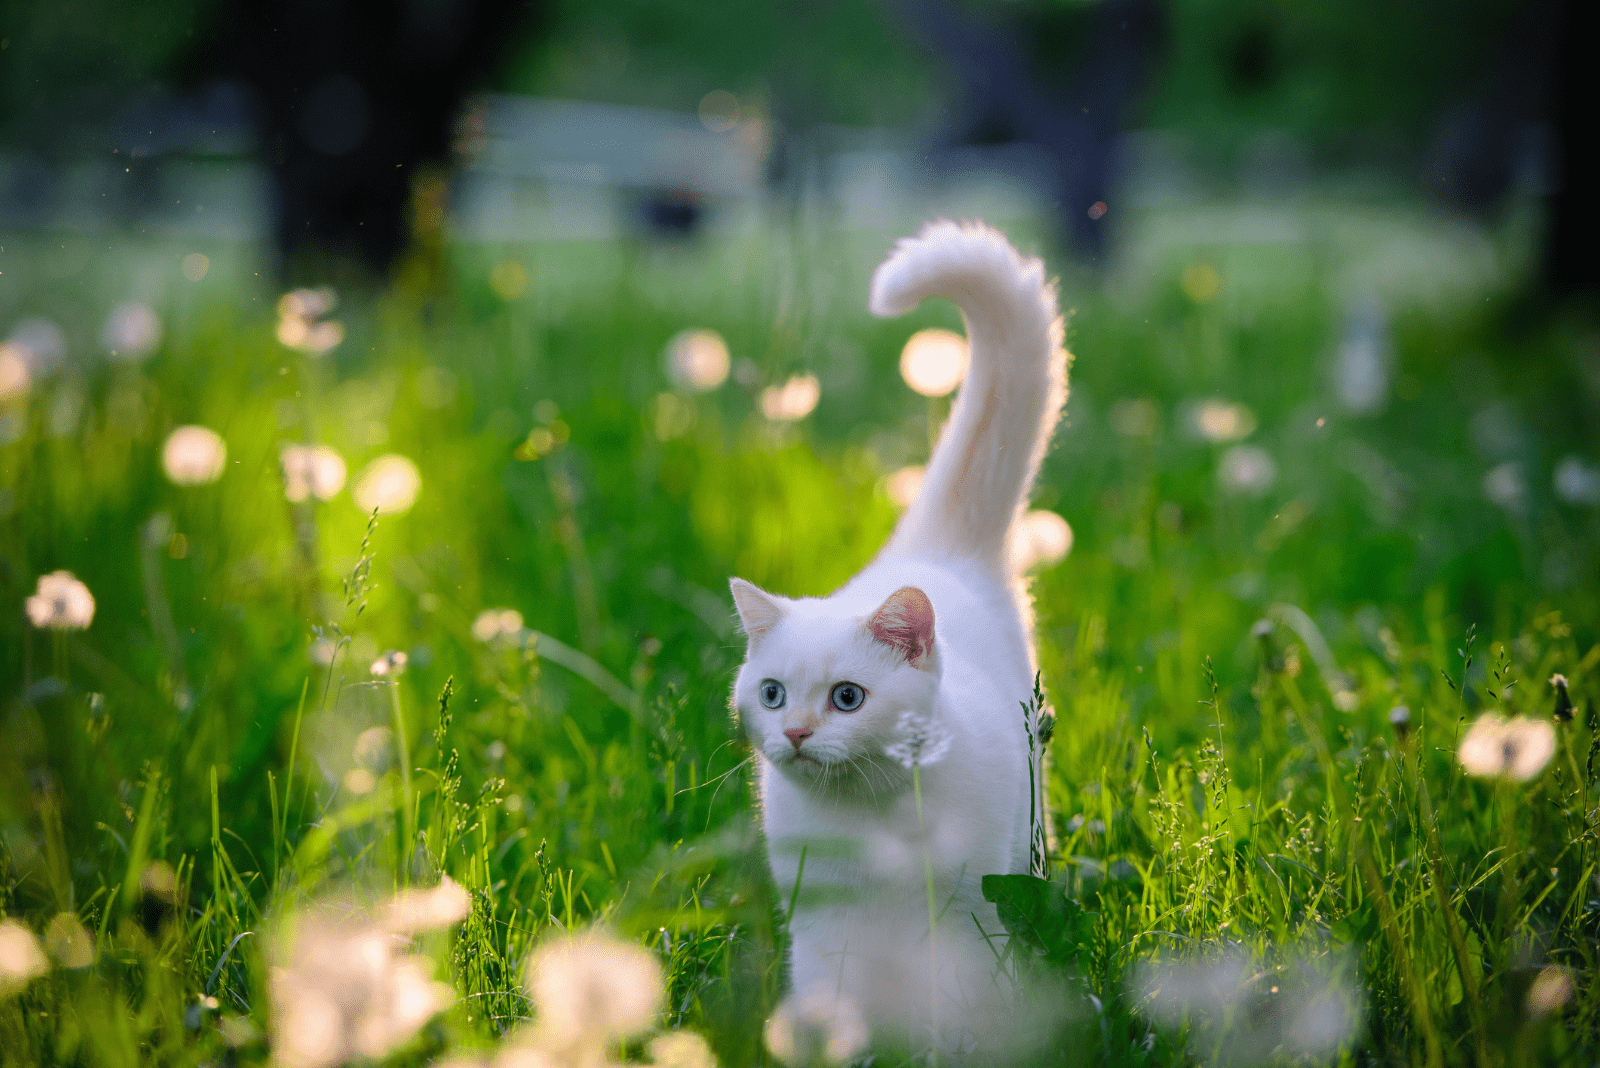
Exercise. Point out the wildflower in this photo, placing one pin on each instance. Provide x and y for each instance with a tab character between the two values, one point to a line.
194	455
920	741
1247	469
816	1027
342	990
681	1049
22	959
1563	709
411	911
1040	537
61	602
1222	421
1498	748
697	360
1551	989
14	374
904	485
389	484
591	989
934	361
391	665
493	623
69	942
300	323
792	401
131	332
311	471
1575	481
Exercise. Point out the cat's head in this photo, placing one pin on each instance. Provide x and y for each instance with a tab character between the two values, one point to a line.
821	694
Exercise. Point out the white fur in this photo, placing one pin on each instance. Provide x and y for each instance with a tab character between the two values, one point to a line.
860	926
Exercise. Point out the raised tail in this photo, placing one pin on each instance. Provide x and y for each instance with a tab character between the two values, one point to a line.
988	453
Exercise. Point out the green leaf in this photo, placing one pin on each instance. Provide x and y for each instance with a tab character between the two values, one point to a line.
1040	915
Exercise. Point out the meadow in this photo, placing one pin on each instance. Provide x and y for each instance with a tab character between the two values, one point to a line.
1281	619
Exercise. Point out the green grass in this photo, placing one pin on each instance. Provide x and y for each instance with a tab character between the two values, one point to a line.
1207	793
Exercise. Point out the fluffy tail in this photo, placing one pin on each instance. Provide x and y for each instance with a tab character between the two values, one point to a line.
988	453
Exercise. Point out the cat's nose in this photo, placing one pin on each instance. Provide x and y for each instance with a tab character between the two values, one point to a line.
797	735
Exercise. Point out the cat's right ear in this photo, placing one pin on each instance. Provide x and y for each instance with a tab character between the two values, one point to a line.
759	611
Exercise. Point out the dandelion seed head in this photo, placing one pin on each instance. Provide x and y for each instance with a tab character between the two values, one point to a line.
389	484
1222	421
919	741
194	455
816	1027
698	360
1515	749
1551	989
412	911
1040	539
934	361
391	665
312	471
591	988
22	958
681	1049
132	331
1247	470
904	485
494	624
15	377
792	401
60	602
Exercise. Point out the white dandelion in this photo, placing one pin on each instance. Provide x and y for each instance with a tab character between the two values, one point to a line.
61	602
300	321
698	360
819	1026
342	989
497	623
22	958
14	374
391	665
194	455
415	910
591	989
1515	749
69	941
904	485
1247	470
934	361
1551	989
1222	421
920	740
681	1049
311	471
389	484
1041	538
132	331
792	401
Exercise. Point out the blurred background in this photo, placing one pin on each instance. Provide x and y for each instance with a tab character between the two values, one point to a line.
499	334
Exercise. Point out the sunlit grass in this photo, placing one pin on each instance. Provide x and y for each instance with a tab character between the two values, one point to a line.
1227	786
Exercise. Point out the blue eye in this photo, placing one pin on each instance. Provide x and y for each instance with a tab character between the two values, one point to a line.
771	692
847	696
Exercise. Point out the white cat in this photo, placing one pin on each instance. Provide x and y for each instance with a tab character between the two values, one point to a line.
932	639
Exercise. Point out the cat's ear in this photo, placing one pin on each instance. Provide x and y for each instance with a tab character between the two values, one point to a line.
905	623
759	611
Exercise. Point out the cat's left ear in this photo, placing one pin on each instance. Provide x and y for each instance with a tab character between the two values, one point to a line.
905	623
759	611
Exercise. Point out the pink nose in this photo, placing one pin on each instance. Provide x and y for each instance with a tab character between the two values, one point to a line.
797	735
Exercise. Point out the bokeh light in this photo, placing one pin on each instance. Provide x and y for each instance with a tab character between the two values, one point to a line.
792	401
194	455
132	331
697	360
312	471
389	484
934	361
